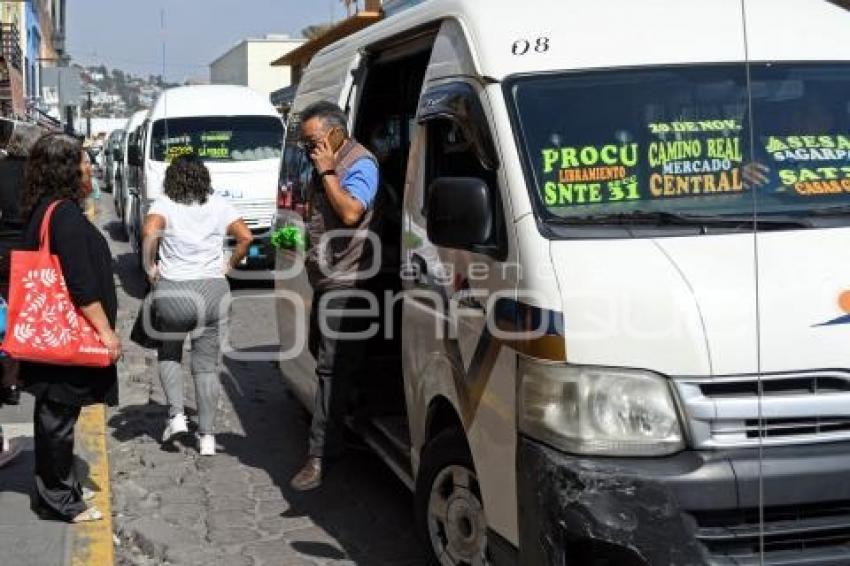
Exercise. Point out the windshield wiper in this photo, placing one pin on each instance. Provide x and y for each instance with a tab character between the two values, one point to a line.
660	218
838	210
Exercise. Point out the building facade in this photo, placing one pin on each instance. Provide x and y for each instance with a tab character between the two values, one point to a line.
12	63
32	62
249	64
32	37
362	14
365	13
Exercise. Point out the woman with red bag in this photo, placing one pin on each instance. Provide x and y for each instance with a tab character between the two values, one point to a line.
58	171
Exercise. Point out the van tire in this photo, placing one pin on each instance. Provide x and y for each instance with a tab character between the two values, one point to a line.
446	457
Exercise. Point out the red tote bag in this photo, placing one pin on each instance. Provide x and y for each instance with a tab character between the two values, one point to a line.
44	325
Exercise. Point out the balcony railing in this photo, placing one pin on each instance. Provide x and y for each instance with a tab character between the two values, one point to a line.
10	45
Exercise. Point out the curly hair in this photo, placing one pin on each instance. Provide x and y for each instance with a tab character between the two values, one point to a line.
187	180
52	172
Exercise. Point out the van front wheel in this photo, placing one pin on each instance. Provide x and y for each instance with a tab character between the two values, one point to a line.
449	508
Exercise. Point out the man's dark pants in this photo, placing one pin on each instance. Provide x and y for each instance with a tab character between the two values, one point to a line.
339	364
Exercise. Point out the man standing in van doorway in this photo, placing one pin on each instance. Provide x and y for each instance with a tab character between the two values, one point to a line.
343	188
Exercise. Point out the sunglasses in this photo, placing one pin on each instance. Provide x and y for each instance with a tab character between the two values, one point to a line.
307	145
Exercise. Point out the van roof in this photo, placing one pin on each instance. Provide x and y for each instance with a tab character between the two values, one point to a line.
211	100
584	34
136	119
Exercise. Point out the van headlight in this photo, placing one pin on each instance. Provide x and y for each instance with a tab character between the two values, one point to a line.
599	411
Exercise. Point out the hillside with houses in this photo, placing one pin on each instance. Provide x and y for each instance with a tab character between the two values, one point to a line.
115	93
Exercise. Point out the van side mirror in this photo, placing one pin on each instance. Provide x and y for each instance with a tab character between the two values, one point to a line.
460	213
134	156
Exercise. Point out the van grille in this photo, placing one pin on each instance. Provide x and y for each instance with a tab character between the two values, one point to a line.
800	534
256	213
793	408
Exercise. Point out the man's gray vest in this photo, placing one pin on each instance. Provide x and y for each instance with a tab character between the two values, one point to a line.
333	262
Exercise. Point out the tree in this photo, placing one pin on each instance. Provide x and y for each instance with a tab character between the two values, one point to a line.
314	31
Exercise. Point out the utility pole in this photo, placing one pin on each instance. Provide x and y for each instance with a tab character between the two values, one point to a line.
88	113
58	36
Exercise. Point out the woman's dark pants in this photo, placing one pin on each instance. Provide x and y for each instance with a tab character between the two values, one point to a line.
58	488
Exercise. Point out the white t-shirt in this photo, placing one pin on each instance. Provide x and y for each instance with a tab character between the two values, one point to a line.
193	240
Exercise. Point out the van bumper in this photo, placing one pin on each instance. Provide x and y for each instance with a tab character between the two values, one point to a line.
261	254
690	508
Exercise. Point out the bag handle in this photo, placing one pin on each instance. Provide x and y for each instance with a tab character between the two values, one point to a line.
44	232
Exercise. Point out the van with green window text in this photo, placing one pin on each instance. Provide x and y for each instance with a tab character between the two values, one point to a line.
611	308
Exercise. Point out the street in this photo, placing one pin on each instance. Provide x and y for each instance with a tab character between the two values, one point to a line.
172	507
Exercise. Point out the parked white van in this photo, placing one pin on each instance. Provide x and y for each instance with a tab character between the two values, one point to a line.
127	181
613	315
238	134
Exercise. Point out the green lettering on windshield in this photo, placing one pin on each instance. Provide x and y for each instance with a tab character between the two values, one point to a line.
590	174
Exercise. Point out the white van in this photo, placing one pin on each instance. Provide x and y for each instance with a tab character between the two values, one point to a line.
238	134
127	185
613	315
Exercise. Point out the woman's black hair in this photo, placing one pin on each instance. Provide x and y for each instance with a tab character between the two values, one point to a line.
187	180
52	172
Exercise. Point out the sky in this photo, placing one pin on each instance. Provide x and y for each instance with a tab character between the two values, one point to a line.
128	34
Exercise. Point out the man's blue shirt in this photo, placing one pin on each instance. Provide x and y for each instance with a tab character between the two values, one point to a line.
361	181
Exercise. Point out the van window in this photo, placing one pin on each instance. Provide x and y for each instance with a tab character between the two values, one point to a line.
297	167
214	138
619	144
450	154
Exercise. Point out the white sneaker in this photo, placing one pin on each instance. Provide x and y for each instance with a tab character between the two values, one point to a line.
206	444
176	425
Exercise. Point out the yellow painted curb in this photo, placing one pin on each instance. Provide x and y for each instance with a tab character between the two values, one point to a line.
91	543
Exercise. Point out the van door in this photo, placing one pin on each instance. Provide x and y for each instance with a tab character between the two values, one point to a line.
800	151
459	380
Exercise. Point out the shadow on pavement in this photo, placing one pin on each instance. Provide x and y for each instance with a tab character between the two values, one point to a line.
126	267
17	477
362	505
318	550
115	230
147	422
363	512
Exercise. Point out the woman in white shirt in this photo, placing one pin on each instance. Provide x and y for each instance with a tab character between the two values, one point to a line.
186	228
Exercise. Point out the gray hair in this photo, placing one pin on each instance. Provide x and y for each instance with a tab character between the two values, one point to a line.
329	113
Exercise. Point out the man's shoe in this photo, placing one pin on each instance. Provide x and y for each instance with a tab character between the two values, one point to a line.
310	476
176	425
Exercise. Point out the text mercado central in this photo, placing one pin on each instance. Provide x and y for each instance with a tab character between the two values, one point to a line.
695	140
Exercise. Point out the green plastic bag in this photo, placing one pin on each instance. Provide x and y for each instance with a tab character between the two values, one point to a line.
290	237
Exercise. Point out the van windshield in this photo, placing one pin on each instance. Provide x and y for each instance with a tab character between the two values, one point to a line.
213	138
676	142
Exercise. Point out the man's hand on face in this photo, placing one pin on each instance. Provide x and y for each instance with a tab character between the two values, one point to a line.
323	156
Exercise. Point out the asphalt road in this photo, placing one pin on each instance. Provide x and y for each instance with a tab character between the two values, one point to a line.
172	507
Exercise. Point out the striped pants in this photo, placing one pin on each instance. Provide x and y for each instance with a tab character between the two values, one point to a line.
199	309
